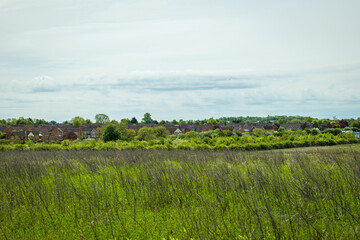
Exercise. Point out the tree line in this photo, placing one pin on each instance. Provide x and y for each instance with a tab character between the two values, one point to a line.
147	119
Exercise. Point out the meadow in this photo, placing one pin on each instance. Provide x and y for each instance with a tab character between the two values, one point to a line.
303	193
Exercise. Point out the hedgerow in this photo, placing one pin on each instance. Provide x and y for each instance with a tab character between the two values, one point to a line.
212	140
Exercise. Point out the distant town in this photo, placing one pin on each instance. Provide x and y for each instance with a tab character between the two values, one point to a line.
78	128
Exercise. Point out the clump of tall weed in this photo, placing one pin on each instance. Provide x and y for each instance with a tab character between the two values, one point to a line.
149	194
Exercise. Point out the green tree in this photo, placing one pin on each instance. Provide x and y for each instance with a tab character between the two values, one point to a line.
295	120
11	121
191	134
125	120
162	122
282	121
309	119
77	121
146	133
102	118
88	121
212	121
259	132
129	135
174	122
281	129
224	122
134	120
147	118
315	131
354	124
111	133
160	131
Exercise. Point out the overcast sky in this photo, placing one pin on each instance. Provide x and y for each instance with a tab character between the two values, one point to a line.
179	59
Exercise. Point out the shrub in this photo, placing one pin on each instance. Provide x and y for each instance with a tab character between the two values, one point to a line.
111	133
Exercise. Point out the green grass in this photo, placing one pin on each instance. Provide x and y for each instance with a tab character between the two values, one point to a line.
146	194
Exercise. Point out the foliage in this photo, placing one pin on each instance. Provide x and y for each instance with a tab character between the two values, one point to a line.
146	134
134	120
355	124
154	137
334	131
111	133
23	121
125	120
77	121
315	131
147	118
102	118
212	121
126	134
161	132
282	121
295	120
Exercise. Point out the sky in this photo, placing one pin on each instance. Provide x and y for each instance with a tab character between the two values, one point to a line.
179	59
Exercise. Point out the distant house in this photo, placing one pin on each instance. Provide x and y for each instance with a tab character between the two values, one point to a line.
291	126
269	127
226	128
90	130
247	128
44	135
56	131
2	128
172	130
308	125
16	135
236	128
184	128
33	136
8	129
70	135
324	126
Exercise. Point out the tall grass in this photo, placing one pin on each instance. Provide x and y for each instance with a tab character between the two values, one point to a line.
148	194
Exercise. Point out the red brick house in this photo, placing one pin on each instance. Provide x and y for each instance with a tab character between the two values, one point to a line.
70	135
16	135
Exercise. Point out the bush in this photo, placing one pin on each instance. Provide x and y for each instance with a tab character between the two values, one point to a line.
314	131
146	134
111	133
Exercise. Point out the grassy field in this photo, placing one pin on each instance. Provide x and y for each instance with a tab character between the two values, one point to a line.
305	193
